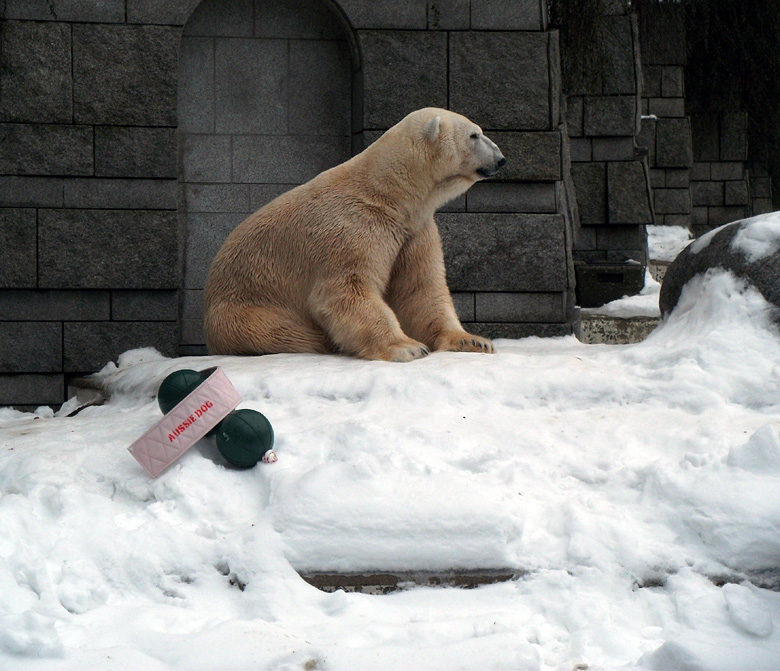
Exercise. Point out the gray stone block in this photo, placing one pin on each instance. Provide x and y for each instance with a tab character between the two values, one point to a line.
274	159
192	304
32	390
31	192
35	76
139	194
169	13
144	305
673	82
91	345
518	331
683	220
520	307
487	85
760	187
600	284
667	107
700	172
262	194
192	332
251	86
464	305
449	15
673	148
665	39
320	76
18	244
530	156
100	249
627	194
707	193
618	66
135	152
31	347
613	148
500	15
581	150
657	178
207	158
457	205
55	305
645	140
761	206
724	215
629	240
402	72
125	74
727	171
763	273
672	201
504	252
215	198
733	136
678	179
196	97
737	193
590	184
611	116
38	149
105	11
512	197
574	116
297	19
384	14
225	18
705	134
205	235
652	78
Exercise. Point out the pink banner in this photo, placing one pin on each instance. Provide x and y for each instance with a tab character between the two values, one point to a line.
186	424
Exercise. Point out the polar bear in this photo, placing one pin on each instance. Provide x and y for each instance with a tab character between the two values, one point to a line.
352	261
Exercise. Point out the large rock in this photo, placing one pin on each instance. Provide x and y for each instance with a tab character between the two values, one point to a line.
749	248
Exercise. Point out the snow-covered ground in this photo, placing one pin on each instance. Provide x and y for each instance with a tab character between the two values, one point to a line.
634	489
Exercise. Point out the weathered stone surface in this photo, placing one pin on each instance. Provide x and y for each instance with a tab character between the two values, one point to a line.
207	158
105	11
707	193
223	18
619	75
628	241
31	192
31	347
613	148
520	307
627	194
530	197
55	305
665	43
251	86
737	193
672	82
418	59
762	272
262	194
590	183
581	150
529	156
727	171
38	149
320	87
383	14
666	107
464	305
215	198
504	252
91	345
35	78
135	152
17	248
487	85
600	284
610	115
144	305
274	159
138	194
169	13
574	116
449	15
32	390
705	134
192	332
301	19
672	201
733	136
673	143
516	331
107	249
205	235
125	74
677	179
500	15
717	216
196	97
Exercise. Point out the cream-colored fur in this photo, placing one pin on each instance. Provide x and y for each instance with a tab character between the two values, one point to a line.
352	260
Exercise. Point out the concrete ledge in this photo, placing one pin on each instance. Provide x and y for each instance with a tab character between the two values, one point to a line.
605	330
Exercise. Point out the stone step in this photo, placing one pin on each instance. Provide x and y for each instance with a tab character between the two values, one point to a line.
384	583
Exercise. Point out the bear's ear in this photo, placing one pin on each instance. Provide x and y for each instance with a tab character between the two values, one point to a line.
431	129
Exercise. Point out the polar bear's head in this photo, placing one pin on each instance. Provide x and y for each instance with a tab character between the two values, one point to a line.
458	146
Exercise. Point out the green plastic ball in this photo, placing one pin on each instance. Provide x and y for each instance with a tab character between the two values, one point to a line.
244	437
176	387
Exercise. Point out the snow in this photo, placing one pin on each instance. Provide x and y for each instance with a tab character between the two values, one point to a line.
634	490
758	237
666	242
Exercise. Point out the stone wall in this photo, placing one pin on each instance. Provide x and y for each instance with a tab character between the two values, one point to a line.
132	144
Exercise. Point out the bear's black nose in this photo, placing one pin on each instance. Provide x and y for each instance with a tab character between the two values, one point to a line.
501	162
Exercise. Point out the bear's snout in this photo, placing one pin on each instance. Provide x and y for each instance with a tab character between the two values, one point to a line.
493	168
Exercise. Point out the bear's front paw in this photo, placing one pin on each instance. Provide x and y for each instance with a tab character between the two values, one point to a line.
463	342
406	351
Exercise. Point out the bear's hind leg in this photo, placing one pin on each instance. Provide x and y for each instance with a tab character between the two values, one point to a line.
262	330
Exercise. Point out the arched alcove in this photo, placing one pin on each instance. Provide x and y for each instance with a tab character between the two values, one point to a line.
264	104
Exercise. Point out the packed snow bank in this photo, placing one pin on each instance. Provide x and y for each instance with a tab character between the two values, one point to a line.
636	487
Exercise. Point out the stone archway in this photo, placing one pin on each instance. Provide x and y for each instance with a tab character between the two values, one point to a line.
264	104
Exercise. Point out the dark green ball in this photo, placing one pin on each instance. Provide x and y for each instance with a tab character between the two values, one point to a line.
243	437
176	387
